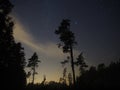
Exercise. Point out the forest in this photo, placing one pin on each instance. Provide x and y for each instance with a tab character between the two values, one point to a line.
13	62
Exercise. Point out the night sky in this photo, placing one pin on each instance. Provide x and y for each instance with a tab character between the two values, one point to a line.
96	24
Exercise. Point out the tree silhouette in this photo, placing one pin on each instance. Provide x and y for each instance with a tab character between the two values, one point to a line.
64	62
101	67
104	77
64	75
12	60
70	79
63	79
33	64
28	75
44	79
67	39
81	63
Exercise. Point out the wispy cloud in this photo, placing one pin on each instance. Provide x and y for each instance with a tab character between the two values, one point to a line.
49	48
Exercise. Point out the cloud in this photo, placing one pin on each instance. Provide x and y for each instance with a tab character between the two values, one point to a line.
49	49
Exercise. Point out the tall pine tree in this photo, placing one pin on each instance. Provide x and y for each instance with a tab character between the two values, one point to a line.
33	64
67	39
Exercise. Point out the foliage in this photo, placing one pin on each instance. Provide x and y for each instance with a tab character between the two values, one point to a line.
12	60
102	77
65	35
33	64
70	79
81	63
67	39
52	85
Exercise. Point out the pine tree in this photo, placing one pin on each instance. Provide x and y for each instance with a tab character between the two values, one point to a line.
67	39
81	63
33	64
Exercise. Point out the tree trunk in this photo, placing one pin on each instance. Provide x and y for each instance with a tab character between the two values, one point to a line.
33	75
72	63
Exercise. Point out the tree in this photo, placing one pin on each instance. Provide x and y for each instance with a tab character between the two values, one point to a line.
81	63
67	39
33	64
64	75
44	79
101	67
70	79
28	75
12	60
63	79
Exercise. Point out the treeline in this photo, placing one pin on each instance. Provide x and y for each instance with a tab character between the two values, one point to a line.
12	57
52	85
101	77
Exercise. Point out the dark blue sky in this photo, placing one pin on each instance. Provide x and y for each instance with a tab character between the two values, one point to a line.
96	24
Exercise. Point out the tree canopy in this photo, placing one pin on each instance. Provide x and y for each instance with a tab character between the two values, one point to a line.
67	39
33	64
12	60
